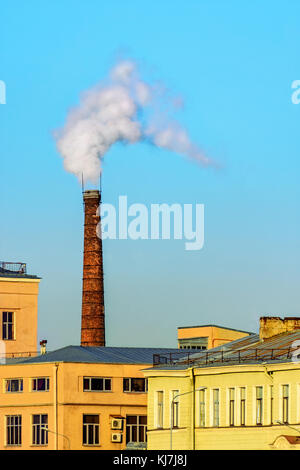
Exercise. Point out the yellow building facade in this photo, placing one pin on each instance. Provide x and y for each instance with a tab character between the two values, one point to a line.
18	310
242	396
75	398
207	336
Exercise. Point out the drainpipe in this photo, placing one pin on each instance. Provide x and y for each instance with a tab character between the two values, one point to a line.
55	405
193	408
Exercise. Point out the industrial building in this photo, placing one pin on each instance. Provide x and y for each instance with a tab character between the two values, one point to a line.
242	395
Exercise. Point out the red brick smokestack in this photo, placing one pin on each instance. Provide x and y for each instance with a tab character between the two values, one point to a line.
92	316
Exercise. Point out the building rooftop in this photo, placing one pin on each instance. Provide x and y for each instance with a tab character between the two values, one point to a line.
214	326
15	270
98	355
247	350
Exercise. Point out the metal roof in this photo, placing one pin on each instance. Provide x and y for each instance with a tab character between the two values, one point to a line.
248	350
99	355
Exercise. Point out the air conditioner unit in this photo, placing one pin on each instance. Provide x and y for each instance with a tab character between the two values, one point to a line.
116	437
117	424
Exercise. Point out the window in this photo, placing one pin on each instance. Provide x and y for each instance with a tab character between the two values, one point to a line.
175	409
7	325
231	406
271	404
40	384
285	404
96	384
136	429
259	405
90	430
216	407
39	430
14	385
160	409
243	406
14	430
134	385
202	407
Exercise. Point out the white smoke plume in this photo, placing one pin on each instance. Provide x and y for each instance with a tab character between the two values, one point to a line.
126	109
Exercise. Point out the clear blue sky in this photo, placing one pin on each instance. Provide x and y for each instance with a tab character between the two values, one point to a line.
234	63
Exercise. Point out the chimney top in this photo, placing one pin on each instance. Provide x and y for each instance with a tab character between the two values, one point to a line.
91	194
272	326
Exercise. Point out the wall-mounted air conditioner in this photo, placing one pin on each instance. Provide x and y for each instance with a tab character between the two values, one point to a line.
116	437
116	423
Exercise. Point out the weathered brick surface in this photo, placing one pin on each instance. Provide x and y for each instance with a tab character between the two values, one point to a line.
92	317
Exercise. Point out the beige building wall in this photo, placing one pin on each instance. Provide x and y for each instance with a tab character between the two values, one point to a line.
216	335
224	436
65	403
20	296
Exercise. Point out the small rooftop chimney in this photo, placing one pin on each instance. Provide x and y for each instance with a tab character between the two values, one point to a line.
272	326
92	316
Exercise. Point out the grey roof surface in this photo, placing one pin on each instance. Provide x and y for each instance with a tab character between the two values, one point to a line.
8	273
99	355
251	349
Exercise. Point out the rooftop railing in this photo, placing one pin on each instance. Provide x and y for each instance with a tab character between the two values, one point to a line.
16	268
190	357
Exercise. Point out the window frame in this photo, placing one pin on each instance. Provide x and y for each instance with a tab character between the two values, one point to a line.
130	379
13	427
47	384
139	426
231	403
202	408
90	390
259	406
95	430
160	409
39	434
216	408
285	403
243	406
19	380
5	325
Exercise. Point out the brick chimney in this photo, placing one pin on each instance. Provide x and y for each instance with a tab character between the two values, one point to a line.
272	326
92	316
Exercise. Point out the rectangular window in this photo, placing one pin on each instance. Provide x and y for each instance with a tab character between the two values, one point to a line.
13	385
7	325
271	404
259	405
231	406
160	409
285	404
136	429
90	430
202	407
134	385
216	407
14	430
175	408
40	384
40	430
243	406
96	384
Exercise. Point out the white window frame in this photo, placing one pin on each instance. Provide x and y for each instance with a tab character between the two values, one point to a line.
94	427
159	409
47	384
90	378
14	426
20	381
38	433
175	406
13	323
